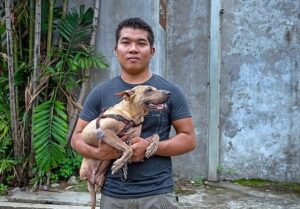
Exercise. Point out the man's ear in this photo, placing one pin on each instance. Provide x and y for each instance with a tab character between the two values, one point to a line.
125	94
152	50
115	51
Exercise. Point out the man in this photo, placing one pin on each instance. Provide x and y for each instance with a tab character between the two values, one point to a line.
149	182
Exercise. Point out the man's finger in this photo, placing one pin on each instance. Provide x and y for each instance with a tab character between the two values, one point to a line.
135	140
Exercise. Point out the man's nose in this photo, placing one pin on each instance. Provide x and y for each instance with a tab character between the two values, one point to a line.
133	48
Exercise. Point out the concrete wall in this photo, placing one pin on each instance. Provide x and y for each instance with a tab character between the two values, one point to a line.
187	65
260	74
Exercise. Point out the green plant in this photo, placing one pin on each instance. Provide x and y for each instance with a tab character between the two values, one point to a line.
69	166
3	189
38	177
81	186
198	180
226	171
50	129
60	76
270	185
10	179
54	178
42	104
7	162
6	165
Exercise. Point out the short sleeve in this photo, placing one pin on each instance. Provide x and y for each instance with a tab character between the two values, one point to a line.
179	106
92	106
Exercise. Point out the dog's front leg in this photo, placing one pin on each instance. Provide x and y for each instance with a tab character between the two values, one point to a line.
113	140
151	149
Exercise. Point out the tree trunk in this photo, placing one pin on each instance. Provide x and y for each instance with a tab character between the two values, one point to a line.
31	30
49	37
74	116
18	151
37	45
36	68
64	12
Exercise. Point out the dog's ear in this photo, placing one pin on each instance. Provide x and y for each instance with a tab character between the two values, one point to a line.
125	94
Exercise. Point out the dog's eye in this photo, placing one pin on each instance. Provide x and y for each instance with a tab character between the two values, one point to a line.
149	90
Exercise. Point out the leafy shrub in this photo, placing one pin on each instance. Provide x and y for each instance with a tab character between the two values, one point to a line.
3	189
69	166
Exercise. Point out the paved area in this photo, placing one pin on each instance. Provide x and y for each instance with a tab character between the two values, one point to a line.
213	196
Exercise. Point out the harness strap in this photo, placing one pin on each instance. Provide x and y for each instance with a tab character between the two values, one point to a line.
128	123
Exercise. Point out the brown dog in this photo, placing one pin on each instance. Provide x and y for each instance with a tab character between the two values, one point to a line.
123	119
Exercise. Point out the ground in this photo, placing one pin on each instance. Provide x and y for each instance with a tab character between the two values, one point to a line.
192	194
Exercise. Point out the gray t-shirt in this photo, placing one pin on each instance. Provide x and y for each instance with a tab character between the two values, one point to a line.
154	175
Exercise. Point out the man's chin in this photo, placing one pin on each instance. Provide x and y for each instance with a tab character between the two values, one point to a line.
134	69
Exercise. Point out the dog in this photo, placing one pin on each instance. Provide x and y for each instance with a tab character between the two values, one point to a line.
123	119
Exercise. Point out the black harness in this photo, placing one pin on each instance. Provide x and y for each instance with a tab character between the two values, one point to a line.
128	123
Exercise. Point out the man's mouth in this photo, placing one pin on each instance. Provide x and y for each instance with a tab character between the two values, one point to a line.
133	59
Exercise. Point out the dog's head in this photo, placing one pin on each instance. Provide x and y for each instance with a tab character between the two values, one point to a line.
147	97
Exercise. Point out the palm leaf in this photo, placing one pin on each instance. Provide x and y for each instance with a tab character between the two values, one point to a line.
76	26
50	133
6	165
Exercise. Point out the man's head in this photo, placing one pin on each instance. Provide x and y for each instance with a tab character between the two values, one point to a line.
135	23
134	47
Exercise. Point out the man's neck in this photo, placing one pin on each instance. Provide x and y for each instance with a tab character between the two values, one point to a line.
136	78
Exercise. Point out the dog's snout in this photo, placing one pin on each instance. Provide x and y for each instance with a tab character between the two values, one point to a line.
167	93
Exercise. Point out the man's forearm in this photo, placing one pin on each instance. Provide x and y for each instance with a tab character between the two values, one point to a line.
82	148
177	145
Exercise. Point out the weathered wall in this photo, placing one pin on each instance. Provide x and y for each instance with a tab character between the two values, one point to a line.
187	60
260	74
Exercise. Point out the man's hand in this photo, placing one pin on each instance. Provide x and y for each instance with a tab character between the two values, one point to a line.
106	152
138	146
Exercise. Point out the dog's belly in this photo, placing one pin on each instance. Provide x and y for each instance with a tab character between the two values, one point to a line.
94	171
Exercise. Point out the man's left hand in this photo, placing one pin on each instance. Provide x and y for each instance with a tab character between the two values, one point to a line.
138	146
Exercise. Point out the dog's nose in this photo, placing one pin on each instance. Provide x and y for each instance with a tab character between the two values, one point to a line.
167	93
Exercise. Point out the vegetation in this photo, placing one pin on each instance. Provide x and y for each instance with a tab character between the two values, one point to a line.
270	185
46	54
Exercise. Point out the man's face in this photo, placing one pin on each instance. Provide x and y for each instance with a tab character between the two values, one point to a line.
133	50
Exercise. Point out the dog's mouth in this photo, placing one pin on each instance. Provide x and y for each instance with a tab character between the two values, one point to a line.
153	106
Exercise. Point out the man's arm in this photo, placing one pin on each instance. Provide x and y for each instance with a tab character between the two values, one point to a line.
184	141
102	152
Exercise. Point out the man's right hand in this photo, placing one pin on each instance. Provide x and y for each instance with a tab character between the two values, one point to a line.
106	152
102	152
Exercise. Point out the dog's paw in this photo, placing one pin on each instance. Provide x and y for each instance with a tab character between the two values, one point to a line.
151	149
117	165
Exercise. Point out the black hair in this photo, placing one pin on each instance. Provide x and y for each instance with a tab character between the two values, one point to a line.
135	23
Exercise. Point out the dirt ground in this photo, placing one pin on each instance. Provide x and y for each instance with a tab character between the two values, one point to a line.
192	194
